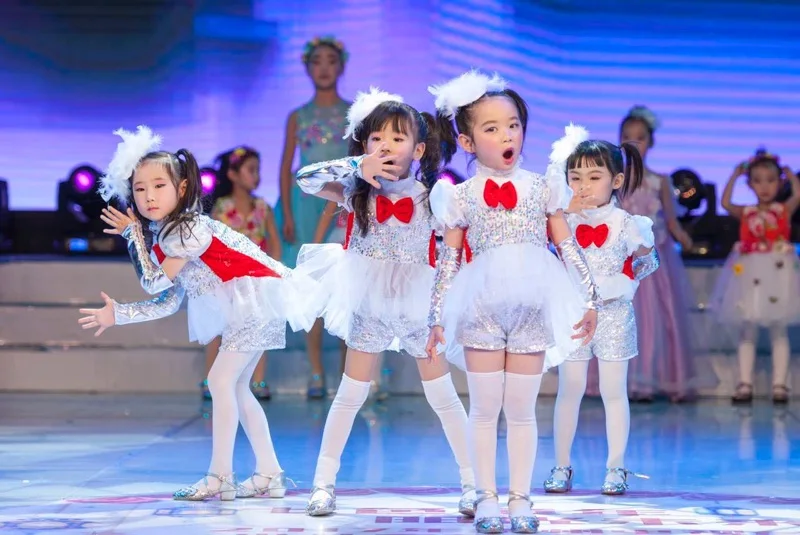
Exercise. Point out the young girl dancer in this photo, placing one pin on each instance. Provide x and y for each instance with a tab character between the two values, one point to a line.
378	284
760	282
239	208
619	249
665	364
512	300
313	130
234	289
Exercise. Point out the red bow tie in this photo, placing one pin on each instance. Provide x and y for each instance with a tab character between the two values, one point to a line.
587	235
403	209
495	195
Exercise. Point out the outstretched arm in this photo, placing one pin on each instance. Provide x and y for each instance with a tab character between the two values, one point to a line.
165	304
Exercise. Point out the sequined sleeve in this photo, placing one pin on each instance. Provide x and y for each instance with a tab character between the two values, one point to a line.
559	193
164	304
189	241
151	276
579	272
312	178
645	265
445	206
640	232
446	269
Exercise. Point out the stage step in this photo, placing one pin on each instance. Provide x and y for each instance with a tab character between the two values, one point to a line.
42	347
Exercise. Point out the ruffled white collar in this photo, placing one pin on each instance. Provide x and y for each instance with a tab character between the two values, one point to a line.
485	172
601	213
405	186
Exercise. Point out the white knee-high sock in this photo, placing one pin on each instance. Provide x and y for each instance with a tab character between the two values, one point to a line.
571	387
349	399
254	422
485	403
223	377
522	439
747	353
443	399
780	355
614	391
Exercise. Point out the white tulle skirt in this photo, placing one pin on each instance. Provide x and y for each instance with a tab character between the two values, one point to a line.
253	303
353	284
510	276
761	288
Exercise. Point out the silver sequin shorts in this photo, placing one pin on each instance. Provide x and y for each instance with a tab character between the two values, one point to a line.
258	337
615	337
372	335
521	329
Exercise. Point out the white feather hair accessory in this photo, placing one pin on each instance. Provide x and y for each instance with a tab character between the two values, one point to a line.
363	105
130	151
562	149
645	114
464	90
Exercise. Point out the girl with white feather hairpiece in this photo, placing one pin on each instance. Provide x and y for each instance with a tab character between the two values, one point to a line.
620	253
377	285
510	303
234	291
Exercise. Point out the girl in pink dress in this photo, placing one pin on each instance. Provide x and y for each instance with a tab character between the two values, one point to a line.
665	364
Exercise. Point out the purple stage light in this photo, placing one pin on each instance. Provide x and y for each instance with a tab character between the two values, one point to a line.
448	175
208	180
84	178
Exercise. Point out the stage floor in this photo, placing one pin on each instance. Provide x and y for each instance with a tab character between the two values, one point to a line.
107	465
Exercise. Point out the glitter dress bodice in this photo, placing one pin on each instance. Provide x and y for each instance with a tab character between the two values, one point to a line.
394	240
489	227
197	277
609	258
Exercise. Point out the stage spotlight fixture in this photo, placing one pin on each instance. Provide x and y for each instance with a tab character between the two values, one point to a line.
713	235
690	189
78	214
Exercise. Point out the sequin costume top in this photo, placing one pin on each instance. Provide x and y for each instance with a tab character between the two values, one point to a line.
491	227
400	227
385	276
761	230
507	281
609	236
216	254
230	282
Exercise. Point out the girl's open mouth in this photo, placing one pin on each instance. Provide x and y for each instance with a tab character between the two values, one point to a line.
508	155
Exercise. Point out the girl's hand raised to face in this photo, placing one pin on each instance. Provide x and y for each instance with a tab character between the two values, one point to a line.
117	220
374	165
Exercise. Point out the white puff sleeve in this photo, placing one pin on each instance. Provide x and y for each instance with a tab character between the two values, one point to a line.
560	194
189	241
445	206
640	232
